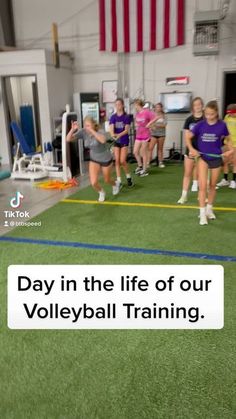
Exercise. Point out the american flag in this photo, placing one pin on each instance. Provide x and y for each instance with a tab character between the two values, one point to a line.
140	25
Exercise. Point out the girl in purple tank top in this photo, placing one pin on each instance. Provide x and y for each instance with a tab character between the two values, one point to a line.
119	129
210	134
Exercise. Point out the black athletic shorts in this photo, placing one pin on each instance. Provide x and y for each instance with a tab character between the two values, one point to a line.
103	164
214	163
157	136
119	145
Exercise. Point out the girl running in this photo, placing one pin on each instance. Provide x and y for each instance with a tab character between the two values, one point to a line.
190	167
230	120
119	129
100	155
158	133
210	134
144	118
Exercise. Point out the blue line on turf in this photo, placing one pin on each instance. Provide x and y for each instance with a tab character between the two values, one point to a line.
113	248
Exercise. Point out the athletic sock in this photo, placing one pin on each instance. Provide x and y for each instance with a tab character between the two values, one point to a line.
184	193
119	179
226	176
195	182
234	177
202	211
128	176
209	207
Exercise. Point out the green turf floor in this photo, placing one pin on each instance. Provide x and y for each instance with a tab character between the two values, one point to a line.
122	374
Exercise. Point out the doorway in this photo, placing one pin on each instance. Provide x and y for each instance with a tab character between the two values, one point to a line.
229	91
21	104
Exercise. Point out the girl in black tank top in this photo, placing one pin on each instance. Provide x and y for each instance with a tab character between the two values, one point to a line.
190	169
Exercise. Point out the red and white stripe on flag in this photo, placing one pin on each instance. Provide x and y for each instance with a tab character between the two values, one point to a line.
140	25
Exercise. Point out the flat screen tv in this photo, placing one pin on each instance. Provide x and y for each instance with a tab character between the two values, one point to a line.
179	102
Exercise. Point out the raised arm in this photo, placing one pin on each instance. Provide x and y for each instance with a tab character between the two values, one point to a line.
101	138
74	128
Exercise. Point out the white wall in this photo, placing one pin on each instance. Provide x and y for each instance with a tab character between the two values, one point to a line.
78	33
60	86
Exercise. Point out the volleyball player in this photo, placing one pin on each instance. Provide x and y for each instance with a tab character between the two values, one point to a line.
190	167
158	133
210	134
119	129
144	118
100	155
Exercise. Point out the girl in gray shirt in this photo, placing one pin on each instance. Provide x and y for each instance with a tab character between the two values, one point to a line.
158	133
100	155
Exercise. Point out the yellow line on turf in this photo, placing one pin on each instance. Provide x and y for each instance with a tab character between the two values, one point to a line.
140	204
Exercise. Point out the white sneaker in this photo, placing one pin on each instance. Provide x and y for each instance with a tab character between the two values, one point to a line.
182	200
223	182
120	184
210	215
161	165
203	220
138	170
116	188
232	184
101	196
194	187
143	173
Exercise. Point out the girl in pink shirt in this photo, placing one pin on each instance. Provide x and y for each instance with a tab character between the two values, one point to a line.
144	118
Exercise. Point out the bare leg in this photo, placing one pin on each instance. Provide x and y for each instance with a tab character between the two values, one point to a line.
188	171
202	180
212	187
234	160
106	171
144	151
94	169
151	146
233	182
225	170
123	159
117	153
160	145
195	173
137	147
